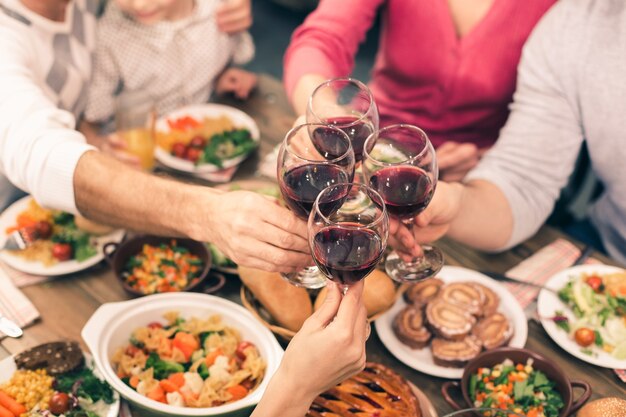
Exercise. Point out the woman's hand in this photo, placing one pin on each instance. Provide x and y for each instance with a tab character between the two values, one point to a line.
329	348
234	16
455	160
254	231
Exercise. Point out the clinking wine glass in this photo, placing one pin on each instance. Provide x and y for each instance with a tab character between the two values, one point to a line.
345	103
400	163
348	229
303	172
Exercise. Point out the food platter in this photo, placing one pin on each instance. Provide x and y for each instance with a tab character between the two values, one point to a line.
8	367
199	112
421	359
548	304
8	219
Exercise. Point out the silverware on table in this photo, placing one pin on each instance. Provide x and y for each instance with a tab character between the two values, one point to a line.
9	328
586	252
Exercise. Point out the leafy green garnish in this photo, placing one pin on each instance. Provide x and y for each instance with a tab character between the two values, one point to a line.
598	340
83	383
227	145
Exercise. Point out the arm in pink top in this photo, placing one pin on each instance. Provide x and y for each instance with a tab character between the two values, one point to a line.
328	40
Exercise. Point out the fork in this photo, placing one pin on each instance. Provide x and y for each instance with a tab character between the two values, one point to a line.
20	239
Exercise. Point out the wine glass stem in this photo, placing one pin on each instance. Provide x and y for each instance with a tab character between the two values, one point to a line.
415	260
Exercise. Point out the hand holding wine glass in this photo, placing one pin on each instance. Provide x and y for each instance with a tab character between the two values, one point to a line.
400	163
348	231
304	171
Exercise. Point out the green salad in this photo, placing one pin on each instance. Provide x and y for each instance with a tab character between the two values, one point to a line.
515	387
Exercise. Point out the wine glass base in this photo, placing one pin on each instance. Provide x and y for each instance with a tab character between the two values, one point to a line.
310	278
426	267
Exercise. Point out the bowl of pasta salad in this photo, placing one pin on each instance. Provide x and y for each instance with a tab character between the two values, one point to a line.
183	354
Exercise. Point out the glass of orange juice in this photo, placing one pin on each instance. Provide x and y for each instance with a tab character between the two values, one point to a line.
135	118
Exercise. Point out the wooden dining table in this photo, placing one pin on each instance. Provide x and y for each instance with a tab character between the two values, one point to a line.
66	303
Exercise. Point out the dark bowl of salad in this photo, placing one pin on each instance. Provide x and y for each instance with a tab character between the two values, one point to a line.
151	264
517	380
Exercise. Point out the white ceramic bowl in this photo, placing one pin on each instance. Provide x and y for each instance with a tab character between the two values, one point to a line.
112	324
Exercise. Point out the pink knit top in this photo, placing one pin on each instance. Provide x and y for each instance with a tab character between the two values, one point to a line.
454	88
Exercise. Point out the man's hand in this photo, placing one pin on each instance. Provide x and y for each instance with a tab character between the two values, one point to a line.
254	231
237	81
434	222
455	160
234	16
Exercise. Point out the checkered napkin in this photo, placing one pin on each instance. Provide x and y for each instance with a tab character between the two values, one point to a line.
14	304
21	279
537	269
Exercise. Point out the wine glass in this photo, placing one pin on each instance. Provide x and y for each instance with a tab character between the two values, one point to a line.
348	229
345	103
400	163
303	172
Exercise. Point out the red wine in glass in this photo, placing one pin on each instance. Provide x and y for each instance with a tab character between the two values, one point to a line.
406	189
301	185
347	255
357	130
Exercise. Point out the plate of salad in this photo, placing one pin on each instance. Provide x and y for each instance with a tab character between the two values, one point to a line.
64	243
54	379
587	314
205	138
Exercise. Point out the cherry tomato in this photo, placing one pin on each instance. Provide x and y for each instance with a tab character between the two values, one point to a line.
197	142
44	229
179	149
585	337
241	348
193	154
62	251
595	282
155	325
59	403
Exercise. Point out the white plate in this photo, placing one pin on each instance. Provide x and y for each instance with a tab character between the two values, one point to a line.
548	303
8	367
8	218
239	118
421	359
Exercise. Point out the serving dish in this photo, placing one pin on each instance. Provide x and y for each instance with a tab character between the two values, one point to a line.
549	305
112	324
199	112
422	359
8	366
493	357
118	254
8	219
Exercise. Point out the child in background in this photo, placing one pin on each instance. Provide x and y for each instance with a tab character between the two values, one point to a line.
178	52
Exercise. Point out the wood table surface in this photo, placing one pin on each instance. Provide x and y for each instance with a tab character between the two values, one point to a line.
66	303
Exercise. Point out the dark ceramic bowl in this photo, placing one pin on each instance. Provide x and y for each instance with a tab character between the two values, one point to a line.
118	254
494	357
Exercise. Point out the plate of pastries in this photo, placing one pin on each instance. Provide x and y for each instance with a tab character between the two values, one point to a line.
440	324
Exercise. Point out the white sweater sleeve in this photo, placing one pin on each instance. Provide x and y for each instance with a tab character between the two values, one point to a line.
537	148
39	147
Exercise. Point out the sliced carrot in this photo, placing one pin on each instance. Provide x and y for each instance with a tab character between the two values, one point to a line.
9	403
134	381
533	412
212	356
168	386
187	343
157	394
178	379
237	392
4	412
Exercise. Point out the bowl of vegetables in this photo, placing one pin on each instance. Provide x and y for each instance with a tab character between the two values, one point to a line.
167	341
152	264
517	380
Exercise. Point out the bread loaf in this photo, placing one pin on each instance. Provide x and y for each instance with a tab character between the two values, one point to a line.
290	306
379	293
